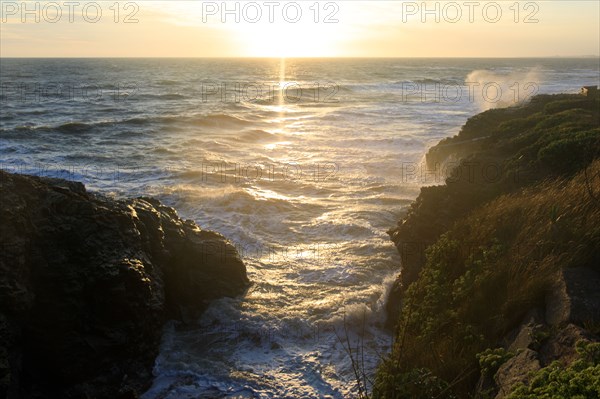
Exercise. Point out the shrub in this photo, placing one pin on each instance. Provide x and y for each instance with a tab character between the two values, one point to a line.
580	380
490	360
419	383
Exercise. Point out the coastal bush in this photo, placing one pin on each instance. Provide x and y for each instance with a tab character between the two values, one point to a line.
414	384
579	380
490	360
563	105
570	154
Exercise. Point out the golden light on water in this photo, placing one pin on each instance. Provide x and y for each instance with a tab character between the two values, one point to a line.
281	83
274	146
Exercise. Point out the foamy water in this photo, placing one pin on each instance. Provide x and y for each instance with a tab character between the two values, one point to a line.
300	163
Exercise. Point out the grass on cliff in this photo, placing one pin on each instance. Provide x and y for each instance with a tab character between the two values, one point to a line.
481	276
495	242
553	137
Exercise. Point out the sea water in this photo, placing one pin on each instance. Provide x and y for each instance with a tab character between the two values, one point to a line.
302	163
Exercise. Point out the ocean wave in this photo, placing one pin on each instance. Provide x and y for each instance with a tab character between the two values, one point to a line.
25	128
324	229
257	135
217	120
263	101
163	150
432	81
139	121
7	117
108	110
167	82
165	97
37	112
211	120
73	127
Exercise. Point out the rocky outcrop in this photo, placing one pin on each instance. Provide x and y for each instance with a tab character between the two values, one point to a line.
529	334
536	348
515	371
575	297
86	283
562	345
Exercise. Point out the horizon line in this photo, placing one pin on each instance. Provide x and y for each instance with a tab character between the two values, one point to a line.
302	57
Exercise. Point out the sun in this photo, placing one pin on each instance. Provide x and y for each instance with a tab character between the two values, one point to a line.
284	40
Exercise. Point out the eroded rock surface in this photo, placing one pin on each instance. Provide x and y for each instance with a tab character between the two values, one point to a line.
87	282
516	370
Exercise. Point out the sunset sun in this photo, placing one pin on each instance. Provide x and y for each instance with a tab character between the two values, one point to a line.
285	40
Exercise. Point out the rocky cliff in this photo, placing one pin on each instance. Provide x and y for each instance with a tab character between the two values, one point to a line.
498	293
87	282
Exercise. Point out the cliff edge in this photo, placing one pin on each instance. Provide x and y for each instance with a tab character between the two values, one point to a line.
498	295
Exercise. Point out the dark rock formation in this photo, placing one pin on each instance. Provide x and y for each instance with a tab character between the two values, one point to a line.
575	297
528	334
532	355
516	370
86	283
561	346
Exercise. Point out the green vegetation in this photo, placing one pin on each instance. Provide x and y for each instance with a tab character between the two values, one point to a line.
415	384
496	242
580	380
491	359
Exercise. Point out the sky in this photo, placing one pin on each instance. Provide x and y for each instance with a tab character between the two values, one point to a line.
304	28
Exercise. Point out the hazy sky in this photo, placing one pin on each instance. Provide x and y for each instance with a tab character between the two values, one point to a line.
303	28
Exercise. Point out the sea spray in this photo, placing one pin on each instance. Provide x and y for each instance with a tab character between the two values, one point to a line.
494	89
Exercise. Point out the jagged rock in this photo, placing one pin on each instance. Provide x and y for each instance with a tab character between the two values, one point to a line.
485	387
529	333
516	370
561	346
575	297
86	283
393	305
524	338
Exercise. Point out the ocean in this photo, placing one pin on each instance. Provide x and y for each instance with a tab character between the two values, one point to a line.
302	163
